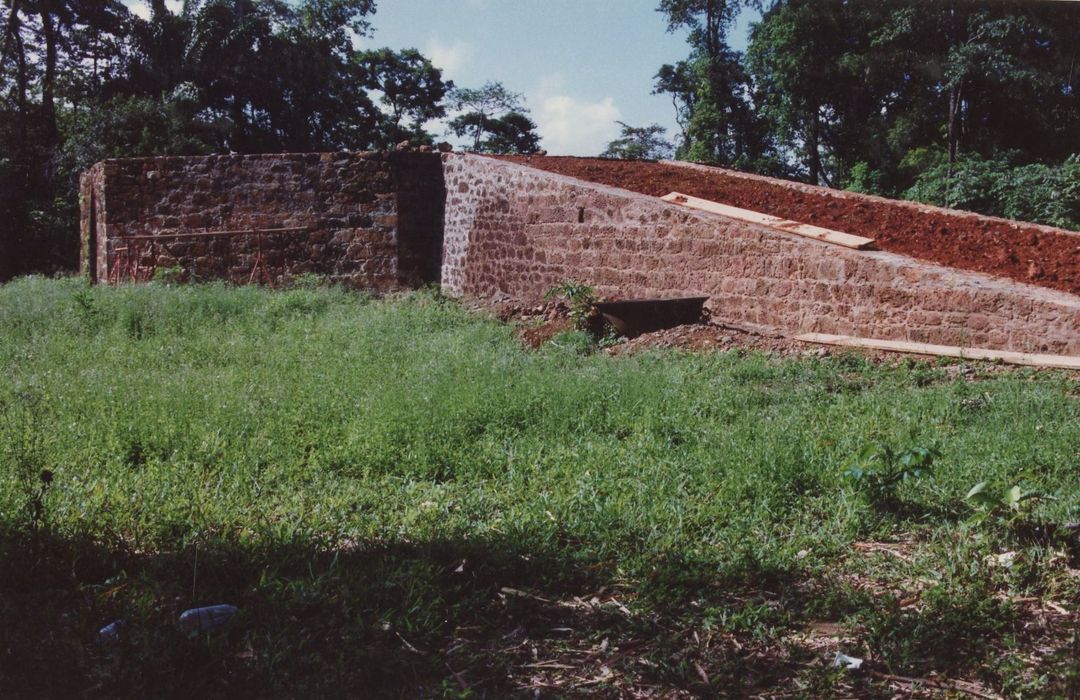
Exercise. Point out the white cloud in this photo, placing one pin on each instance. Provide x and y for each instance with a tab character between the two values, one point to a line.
141	8
572	126
449	56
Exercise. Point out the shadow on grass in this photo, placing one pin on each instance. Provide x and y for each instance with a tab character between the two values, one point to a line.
445	618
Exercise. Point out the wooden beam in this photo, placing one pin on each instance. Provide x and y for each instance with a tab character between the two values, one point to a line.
806	230
1012	358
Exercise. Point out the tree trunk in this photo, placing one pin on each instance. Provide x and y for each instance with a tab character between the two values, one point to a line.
9	33
239	127
48	85
953	137
21	81
712	29
954	106
954	117
813	147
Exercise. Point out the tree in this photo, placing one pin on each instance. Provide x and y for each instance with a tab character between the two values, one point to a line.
710	89
493	110
39	49
810	86
708	21
514	132
678	81
411	88
849	89
639	143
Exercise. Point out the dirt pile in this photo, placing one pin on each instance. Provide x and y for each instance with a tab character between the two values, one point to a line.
1020	252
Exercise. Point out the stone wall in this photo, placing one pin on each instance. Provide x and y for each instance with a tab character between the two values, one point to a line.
515	230
265	217
482	226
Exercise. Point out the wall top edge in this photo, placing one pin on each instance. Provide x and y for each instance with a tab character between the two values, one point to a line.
223	157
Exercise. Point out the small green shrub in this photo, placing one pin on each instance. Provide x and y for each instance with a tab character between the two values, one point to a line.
862	178
610	337
86	310
579	296
880	470
1007	502
999	186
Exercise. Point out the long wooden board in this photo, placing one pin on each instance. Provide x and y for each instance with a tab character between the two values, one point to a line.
1013	358
807	230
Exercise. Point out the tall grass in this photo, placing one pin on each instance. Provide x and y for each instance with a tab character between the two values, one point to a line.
285	432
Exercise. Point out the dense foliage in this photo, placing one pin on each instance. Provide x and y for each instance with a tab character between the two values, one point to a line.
953	103
1000	185
710	90
639	143
495	119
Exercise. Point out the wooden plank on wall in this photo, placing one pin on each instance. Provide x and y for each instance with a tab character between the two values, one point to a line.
806	230
1013	358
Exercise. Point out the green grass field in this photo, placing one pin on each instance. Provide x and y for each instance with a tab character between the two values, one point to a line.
403	501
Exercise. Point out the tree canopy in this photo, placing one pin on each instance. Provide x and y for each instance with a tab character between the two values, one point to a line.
639	143
899	98
495	118
711	89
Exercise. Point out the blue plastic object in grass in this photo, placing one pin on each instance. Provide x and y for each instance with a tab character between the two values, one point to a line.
208	619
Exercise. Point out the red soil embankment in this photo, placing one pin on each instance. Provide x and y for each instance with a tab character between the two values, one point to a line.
1020	252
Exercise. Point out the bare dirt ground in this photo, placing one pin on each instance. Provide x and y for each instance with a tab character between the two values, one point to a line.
538	324
1014	250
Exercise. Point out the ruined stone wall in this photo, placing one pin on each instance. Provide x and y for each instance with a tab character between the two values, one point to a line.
516	230
265	217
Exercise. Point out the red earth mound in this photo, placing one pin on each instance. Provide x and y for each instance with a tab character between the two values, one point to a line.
1014	250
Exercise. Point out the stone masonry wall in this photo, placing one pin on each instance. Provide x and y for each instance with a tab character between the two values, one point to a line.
200	214
517	230
482	226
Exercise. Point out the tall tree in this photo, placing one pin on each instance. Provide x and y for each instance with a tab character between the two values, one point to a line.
811	84
494	111
411	89
639	143
710	88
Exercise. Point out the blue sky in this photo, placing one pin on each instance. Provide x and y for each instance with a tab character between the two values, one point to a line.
581	64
